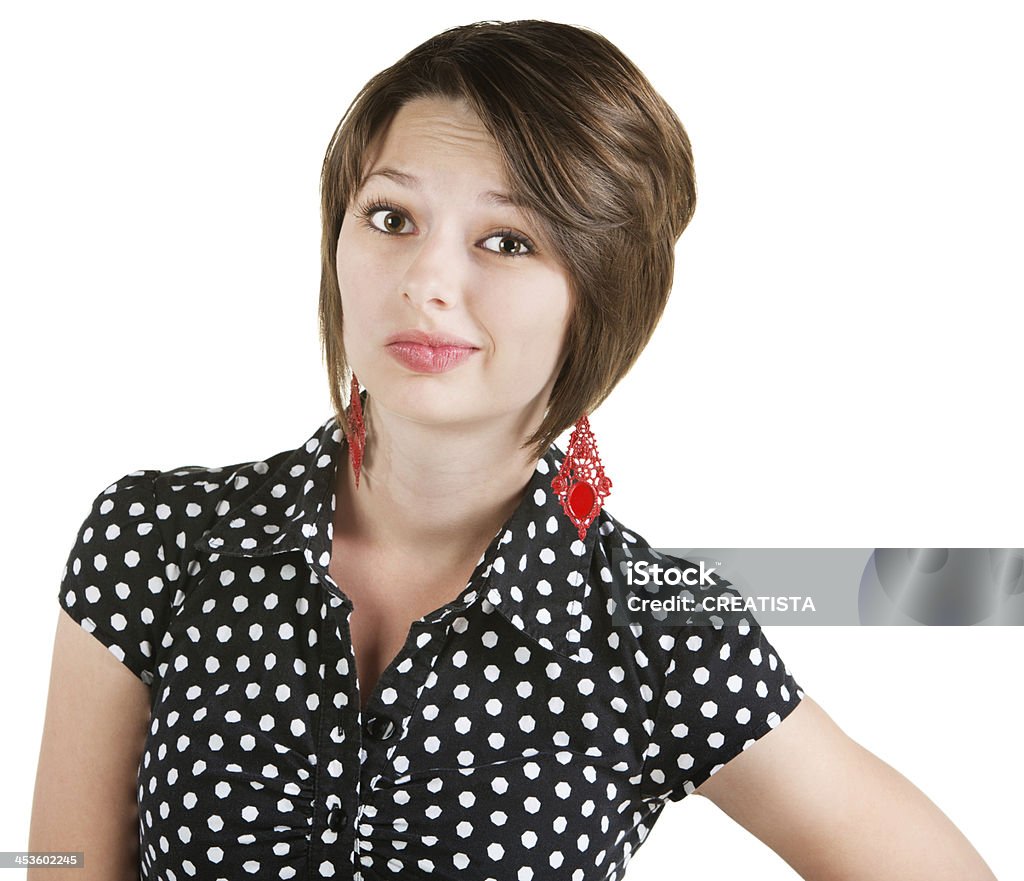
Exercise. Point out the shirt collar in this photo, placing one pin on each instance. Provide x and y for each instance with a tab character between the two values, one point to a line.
534	571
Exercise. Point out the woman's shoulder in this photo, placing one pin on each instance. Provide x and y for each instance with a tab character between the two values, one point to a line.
243	499
194	497
185	499
142	537
153	517
122	579
632	561
656	595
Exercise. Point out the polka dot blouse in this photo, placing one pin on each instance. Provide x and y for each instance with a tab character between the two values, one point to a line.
517	735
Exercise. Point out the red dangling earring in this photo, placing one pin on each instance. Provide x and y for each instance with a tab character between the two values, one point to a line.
580	483
357	428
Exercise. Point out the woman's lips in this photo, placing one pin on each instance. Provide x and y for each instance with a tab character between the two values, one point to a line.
429	359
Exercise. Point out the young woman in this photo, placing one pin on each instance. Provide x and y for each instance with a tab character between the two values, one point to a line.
390	652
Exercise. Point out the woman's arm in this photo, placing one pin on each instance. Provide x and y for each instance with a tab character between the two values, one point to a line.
97	715
836	812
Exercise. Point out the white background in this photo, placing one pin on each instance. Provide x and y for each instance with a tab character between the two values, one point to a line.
839	364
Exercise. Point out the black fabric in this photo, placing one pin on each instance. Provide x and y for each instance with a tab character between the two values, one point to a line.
517	735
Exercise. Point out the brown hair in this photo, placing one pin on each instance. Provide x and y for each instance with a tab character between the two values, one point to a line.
590	149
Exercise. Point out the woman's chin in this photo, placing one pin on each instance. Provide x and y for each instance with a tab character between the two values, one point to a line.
427	403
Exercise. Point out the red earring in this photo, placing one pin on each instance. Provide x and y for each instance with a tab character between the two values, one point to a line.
357	428
580	483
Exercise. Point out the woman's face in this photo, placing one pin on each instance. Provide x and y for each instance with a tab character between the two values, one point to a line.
426	246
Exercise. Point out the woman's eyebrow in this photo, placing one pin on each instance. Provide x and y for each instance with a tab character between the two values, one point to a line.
412	182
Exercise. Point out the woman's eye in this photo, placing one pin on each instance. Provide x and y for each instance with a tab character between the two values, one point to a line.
388	220
508	245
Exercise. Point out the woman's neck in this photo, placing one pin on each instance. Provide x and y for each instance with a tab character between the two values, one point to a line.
430	492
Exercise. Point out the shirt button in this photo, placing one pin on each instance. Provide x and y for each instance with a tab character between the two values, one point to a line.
336	818
379	727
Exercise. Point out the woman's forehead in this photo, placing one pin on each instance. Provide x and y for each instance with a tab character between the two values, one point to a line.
437	123
437	139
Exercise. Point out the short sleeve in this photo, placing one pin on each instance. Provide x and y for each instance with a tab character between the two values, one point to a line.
114	581
725	688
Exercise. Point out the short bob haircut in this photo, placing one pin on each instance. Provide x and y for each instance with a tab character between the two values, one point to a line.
590	150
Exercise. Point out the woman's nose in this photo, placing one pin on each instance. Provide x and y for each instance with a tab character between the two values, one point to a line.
438	270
